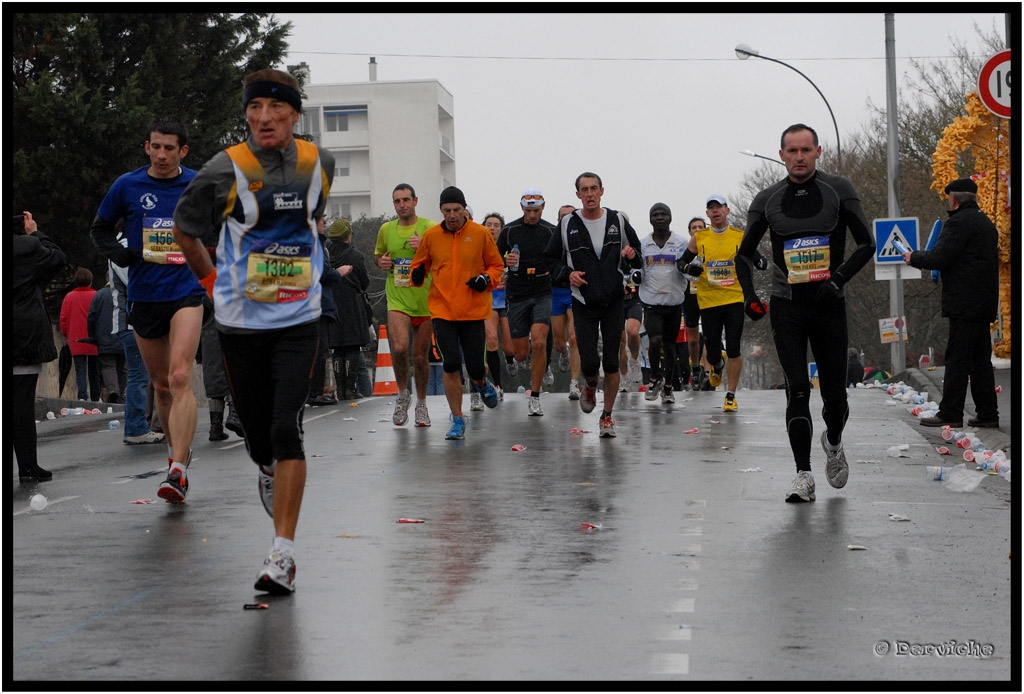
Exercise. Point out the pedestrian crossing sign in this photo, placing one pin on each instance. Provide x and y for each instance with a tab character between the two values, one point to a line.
887	231
888	259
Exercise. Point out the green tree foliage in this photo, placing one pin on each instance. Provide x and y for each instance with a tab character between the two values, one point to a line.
86	85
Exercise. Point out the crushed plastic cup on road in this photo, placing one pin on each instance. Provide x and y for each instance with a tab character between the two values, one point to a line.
751	469
855	547
897	517
577	430
590	526
999	389
51	415
256	606
38	502
943	450
518	447
142	501
411	520
897	451
691	431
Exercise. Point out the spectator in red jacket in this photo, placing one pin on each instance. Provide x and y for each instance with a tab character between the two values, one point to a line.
74	325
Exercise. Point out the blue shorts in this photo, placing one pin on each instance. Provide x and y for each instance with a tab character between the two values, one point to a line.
561	301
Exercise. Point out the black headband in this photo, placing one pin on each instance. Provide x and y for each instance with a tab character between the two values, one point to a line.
271	90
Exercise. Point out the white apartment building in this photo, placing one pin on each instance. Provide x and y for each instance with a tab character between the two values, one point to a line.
381	134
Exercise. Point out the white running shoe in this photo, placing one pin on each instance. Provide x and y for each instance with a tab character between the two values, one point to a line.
563	360
636	374
667	398
802	488
422	416
574	390
476	403
277	575
588	399
534	407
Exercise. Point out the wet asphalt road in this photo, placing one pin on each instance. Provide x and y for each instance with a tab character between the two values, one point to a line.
697	571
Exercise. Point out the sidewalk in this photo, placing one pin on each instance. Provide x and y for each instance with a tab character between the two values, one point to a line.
930	381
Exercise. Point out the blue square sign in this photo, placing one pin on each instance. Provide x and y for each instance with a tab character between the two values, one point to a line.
889	232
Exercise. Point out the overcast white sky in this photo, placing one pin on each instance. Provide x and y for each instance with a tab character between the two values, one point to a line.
656	103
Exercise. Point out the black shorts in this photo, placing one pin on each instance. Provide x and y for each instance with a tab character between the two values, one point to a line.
691	310
151	320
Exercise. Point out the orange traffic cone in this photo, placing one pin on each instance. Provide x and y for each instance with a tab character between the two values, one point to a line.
384	380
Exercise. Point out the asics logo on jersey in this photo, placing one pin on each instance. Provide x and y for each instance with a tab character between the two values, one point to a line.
280	249
802	243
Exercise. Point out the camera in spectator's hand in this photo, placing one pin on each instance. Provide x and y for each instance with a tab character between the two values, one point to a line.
636	277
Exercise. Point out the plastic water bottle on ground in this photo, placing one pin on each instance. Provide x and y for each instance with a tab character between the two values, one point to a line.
114	424
937	472
897	451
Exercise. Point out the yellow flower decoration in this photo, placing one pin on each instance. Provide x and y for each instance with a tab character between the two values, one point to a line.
988	138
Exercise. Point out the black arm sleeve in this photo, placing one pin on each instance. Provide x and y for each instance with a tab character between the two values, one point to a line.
757	225
104	237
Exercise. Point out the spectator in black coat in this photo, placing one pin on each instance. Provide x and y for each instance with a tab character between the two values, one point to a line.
967	254
35	262
351	331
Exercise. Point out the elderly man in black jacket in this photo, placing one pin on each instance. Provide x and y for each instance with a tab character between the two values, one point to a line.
351	331
967	254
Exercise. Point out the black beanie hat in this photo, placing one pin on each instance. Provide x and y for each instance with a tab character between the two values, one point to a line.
660	206
453	194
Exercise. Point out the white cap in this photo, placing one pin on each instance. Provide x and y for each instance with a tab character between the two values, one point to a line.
717	197
531	197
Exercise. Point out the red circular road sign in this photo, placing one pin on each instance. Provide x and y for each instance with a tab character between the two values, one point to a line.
994	84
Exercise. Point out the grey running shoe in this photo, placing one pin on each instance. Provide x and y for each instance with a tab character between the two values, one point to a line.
512	367
836	469
667	398
563	360
265	482
277	575
401	415
802	489
174	489
422	416
588	398
534	407
574	390
654	389
549	377
476	403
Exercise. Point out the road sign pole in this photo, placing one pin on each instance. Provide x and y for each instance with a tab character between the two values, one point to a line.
898	349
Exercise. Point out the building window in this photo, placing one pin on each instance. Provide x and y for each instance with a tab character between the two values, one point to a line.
309	121
339	209
335	121
341	164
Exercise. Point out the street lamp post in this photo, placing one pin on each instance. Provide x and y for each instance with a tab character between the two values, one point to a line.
743	51
750	153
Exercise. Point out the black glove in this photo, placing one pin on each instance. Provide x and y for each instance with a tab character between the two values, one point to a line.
760	262
127	257
831	289
419	274
755	308
479	283
694	270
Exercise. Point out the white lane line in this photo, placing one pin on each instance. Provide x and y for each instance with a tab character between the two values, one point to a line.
671	664
49	503
683	633
683	605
